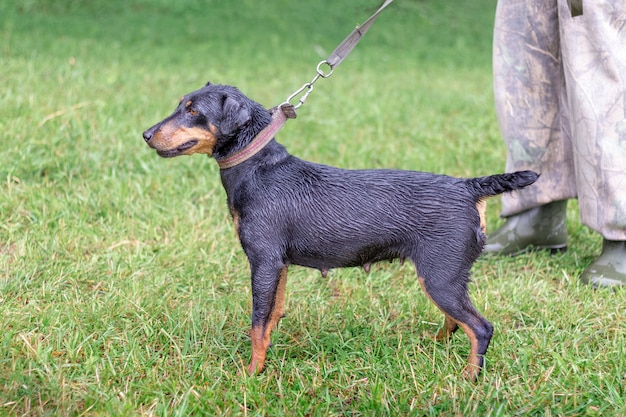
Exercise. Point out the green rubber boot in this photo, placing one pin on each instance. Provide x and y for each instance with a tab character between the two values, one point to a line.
609	270
540	228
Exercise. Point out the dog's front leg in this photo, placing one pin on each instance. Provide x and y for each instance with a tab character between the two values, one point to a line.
268	307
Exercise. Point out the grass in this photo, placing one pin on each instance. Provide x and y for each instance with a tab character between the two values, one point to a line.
123	290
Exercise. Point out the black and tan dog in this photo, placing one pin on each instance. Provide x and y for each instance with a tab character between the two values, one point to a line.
289	211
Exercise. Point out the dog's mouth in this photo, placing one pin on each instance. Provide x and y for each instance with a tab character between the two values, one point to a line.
170	153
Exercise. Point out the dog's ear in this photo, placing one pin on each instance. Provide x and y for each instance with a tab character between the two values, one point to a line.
234	116
208	83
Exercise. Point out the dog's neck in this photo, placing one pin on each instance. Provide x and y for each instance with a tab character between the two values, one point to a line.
265	136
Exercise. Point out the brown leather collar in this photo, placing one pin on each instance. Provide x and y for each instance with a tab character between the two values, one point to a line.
279	117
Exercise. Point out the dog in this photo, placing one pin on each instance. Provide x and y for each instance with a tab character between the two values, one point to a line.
290	211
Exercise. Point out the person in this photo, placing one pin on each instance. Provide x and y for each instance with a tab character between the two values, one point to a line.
559	82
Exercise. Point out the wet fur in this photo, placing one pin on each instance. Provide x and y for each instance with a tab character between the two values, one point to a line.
290	211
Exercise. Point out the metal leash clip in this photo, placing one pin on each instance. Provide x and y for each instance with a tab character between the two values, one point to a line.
309	86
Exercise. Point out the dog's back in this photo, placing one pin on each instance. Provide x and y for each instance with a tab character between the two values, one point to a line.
326	217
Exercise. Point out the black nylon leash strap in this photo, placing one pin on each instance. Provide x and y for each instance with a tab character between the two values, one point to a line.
348	44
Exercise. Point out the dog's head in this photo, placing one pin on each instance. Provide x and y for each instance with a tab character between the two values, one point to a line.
214	120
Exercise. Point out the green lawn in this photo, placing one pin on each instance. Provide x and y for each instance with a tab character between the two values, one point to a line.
124	291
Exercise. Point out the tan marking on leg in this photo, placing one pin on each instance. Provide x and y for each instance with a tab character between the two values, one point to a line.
473	367
259	351
261	336
279	300
481	206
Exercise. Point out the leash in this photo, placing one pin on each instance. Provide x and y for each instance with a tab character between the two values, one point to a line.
336	57
287	110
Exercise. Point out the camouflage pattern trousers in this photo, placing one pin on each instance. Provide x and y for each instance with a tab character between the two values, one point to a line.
560	93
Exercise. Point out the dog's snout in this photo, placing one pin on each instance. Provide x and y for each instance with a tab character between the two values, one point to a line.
147	135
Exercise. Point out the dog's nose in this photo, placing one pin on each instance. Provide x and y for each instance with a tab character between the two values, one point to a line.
147	135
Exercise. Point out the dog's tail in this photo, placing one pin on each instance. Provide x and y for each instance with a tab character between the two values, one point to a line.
502	183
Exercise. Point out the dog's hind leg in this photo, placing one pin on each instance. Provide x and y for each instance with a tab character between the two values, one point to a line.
449	326
268	307
451	297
